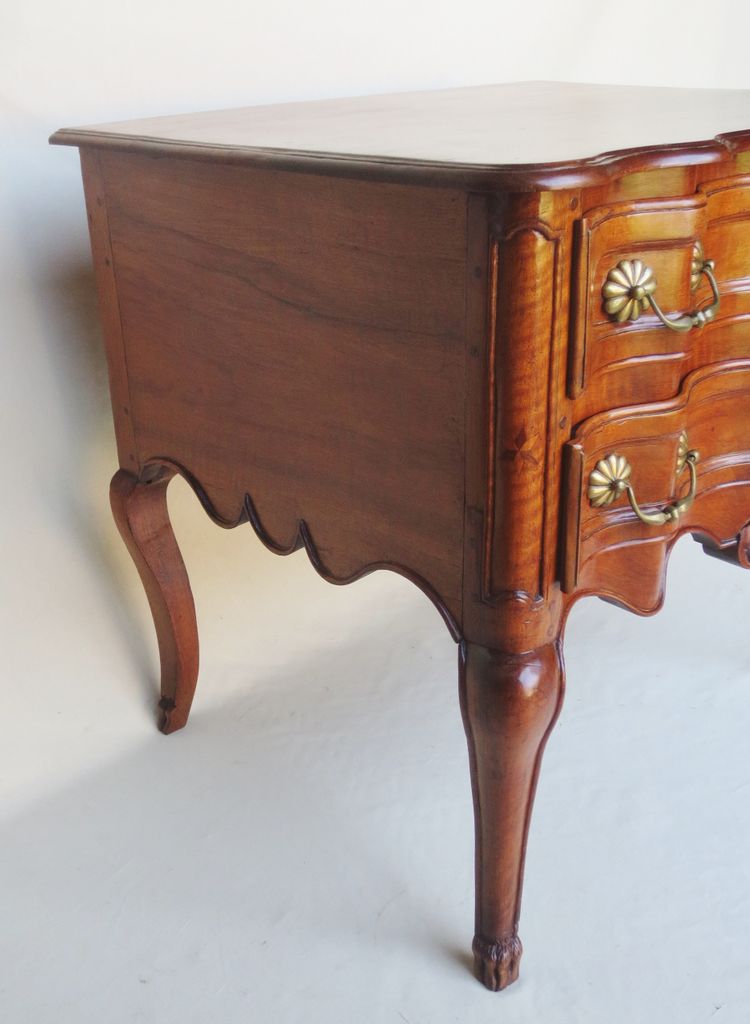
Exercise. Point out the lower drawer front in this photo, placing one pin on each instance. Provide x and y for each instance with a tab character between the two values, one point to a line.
640	475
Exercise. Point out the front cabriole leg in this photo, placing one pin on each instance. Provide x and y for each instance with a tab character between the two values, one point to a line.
142	517
509	704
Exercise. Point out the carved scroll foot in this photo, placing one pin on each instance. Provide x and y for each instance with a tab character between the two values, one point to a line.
140	511
509	703
497	963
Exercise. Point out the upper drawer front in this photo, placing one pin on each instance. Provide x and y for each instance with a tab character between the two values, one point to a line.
641	358
641	453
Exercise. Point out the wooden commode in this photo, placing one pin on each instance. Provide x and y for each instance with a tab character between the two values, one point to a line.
496	339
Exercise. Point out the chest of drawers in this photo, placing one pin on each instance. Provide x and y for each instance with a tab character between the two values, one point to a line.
495	339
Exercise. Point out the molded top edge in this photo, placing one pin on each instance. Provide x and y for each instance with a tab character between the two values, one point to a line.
520	135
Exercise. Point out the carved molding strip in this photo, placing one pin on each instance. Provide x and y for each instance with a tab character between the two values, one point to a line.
518	409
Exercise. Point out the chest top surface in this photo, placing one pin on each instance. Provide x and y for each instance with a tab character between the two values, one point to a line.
514	134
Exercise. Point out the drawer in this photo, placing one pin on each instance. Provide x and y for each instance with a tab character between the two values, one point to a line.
637	463
617	358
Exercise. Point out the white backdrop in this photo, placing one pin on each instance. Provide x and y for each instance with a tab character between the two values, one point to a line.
303	850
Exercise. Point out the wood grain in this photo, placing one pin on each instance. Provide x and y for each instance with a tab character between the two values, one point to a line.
285	357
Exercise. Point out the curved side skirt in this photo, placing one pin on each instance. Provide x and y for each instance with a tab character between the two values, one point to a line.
302	539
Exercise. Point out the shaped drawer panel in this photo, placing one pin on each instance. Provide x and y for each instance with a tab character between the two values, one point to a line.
615	361
662	235
608	548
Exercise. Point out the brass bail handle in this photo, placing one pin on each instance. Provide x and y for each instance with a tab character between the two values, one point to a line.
629	290
611	478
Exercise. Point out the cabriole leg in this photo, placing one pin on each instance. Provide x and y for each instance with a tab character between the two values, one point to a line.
509	704
140	511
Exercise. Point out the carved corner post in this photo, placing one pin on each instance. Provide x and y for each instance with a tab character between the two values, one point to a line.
510	665
142	517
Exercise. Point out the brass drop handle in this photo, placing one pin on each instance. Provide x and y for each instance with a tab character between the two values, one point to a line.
630	286
611	477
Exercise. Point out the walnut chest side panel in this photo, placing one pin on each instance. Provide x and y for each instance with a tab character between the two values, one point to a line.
295	345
